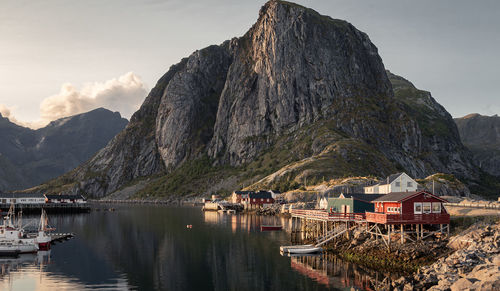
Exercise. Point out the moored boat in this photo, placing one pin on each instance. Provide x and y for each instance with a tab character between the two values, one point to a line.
9	250
42	240
305	250
286	248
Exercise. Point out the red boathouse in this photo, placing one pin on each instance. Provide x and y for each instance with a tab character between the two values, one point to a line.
409	208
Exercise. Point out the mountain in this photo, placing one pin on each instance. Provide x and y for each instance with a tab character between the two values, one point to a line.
29	157
300	96
481	134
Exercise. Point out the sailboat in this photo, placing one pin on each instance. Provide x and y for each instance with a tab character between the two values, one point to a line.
43	239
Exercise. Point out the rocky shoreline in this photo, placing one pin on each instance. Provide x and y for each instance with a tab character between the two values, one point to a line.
469	260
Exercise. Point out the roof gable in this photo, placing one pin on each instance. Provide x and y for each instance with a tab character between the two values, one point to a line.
402	196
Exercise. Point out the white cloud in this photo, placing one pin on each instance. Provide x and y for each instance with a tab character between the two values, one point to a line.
124	94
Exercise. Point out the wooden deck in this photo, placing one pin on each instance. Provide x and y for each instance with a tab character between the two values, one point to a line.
59	237
429	218
323	215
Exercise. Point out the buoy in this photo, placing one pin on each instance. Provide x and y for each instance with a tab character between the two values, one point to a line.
189	226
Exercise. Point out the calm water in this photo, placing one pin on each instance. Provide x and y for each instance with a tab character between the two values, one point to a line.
150	248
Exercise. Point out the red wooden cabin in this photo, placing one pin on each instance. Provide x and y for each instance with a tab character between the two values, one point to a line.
409	208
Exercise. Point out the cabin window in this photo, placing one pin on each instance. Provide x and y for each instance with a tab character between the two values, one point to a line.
417	208
393	209
426	207
436	207
409	184
398	184
254	200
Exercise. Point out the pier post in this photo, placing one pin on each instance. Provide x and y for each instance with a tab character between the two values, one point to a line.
402	235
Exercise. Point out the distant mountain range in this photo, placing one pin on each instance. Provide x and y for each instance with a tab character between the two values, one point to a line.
481	134
29	157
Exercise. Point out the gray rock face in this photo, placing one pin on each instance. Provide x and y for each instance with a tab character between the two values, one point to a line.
481	134
293	68
439	145
29	157
188	107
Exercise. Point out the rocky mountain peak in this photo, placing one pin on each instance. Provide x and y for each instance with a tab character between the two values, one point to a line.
297	82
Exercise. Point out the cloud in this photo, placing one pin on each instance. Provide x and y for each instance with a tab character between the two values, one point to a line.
123	94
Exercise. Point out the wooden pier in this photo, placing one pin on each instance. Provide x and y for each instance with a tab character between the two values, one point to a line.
321	226
59	237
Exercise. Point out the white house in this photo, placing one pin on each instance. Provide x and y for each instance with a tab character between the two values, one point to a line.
22	198
52	198
399	182
323	203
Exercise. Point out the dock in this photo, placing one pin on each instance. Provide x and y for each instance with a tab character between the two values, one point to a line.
60	237
320	226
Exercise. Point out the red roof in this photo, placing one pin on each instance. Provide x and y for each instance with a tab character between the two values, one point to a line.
402	196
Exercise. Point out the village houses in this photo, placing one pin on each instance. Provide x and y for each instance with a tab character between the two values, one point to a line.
400	182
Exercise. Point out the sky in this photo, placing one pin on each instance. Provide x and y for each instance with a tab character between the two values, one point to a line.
63	57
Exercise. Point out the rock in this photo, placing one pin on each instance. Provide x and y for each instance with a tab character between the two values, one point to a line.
463	284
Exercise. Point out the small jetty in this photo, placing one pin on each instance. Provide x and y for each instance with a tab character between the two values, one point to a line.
60	237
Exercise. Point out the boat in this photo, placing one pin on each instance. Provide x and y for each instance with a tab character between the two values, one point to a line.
9	250
286	248
42	240
309	250
14	235
270	227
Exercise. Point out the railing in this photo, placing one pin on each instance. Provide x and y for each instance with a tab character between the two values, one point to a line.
428	218
474	205
311	214
327	216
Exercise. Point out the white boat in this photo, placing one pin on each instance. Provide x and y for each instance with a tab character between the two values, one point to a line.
42	240
309	250
9	249
286	248
12	235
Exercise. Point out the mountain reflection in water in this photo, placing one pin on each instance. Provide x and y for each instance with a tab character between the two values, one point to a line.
148	247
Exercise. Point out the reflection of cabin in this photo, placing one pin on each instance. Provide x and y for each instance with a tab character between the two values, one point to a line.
256	200
400	182
409	208
49	198
22	198
352	203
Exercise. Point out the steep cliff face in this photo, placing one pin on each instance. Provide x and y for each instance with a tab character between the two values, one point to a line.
481	134
187	111
440	148
298	85
292	68
29	157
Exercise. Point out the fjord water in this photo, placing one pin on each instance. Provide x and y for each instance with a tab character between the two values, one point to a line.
150	248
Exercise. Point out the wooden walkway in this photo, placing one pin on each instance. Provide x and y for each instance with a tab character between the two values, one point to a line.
59	237
321	226
323	215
